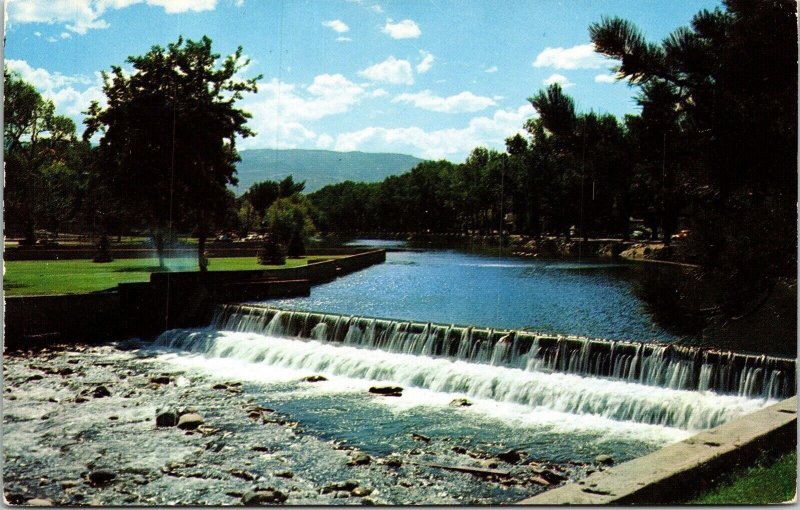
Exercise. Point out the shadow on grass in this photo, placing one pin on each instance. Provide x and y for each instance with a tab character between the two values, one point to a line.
141	269
11	285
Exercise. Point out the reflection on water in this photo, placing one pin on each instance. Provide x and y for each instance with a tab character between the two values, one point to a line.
567	297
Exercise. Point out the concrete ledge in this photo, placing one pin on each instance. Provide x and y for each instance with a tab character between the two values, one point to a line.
675	472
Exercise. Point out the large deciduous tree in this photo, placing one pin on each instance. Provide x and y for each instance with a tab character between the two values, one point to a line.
41	156
168	135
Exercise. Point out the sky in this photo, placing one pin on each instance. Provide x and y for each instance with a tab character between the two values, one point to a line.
429	78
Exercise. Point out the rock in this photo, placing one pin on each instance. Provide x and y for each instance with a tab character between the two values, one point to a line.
387	391
244	475
360	492
284	474
80	399
460	402
348	485
190	421
14	498
511	456
393	462
65	371
101	476
220	386
488	463
606	460
459	449
260	496
161	379
315	378
39	502
167	419
113	417
360	459
34	377
420	437
69	484
100	392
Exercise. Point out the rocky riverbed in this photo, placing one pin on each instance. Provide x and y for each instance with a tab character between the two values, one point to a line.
116	425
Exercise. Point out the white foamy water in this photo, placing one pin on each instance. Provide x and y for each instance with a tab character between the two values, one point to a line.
574	398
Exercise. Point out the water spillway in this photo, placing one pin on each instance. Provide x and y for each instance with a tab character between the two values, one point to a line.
659	365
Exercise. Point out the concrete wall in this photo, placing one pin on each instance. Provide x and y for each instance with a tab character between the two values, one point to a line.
677	472
32	320
169	300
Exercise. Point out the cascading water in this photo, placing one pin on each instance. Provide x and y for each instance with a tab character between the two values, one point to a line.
667	366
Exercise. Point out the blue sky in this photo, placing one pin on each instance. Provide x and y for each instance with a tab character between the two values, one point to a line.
429	78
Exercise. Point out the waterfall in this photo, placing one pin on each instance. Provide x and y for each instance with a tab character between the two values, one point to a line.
568	393
658	365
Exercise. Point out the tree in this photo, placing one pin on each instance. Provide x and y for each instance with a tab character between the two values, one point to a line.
290	219
168	143
36	143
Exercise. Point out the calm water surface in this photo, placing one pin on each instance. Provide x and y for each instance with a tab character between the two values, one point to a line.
569	297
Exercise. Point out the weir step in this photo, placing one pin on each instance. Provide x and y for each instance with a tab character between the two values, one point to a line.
672	366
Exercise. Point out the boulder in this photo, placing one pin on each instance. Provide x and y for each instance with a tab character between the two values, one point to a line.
420	437
39	502
101	476
360	459
393	462
315	378
605	460
348	485
100	392
460	402
387	391
190	421
511	456
161	379
360	492
167	419
259	496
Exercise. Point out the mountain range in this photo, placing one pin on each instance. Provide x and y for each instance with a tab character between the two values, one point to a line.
318	167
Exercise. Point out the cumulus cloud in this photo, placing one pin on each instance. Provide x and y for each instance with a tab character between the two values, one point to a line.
280	110
336	25
605	78
426	63
582	56
406	29
453	144
459	103
558	78
71	95
391	70
80	16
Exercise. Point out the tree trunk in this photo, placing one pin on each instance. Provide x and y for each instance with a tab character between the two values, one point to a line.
202	260
158	241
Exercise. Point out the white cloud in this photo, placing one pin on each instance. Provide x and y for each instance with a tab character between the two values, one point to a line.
391	70
71	95
492	69
582	56
280	110
336	25
426	63
605	78
459	103
558	78
378	93
343	39
406	29
325	141
80	16
453	144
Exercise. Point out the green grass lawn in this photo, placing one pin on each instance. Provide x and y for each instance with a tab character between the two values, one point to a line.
768	482
38	277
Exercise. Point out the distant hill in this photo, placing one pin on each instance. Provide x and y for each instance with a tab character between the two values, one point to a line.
318	168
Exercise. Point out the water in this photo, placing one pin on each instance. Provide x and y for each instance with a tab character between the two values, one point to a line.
589	298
